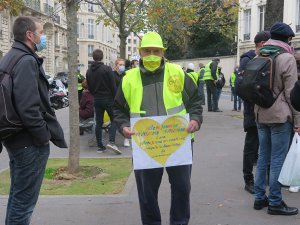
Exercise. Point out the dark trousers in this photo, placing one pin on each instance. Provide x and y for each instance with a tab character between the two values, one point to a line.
250	154
148	182
102	105
27	167
211	89
201	91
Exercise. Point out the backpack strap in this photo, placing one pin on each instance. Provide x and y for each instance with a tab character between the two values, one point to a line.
14	62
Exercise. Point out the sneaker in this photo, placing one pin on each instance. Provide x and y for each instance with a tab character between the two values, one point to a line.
101	149
282	209
126	142
113	147
294	189
249	187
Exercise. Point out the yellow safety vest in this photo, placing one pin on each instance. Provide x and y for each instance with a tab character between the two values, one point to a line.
172	90
207	74
232	79
201	76
79	85
194	76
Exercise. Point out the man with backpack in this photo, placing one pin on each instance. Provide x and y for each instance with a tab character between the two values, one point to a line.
275	123
28	149
251	144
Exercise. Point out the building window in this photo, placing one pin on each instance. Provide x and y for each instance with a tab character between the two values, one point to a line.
261	17
91	28
298	16
134	49
129	49
56	37
90	50
129	41
90	7
247	24
134	41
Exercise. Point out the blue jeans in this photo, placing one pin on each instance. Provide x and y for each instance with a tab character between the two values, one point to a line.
274	141
102	105
27	167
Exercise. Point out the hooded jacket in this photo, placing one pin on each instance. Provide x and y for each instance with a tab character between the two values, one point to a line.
101	81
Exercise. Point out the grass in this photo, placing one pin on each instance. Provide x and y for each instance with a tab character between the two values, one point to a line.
96	177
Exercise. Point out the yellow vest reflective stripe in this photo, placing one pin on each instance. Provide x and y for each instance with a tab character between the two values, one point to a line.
194	77
172	90
207	74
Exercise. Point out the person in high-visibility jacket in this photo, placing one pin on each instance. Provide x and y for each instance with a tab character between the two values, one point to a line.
191	72
80	78
210	78
237	101
158	88
201	82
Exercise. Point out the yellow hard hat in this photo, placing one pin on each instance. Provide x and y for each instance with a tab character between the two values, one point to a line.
152	39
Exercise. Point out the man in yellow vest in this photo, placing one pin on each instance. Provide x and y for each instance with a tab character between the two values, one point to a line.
159	88
210	78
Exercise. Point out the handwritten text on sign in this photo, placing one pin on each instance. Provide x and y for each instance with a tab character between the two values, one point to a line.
161	141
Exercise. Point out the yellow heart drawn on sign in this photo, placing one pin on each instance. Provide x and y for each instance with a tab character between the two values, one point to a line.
160	141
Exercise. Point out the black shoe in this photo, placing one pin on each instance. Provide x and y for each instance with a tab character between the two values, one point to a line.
218	110
260	204
101	149
249	187
209	110
282	209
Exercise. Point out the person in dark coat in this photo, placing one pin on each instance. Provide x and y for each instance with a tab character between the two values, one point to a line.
295	93
102	85
29	149
251	144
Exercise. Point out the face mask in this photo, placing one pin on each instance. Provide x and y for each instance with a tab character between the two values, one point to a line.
43	43
151	62
121	69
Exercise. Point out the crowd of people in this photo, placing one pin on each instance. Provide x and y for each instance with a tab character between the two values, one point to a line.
127	92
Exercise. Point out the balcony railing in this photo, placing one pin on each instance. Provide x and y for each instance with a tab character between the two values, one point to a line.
297	28
246	37
33	4
48	9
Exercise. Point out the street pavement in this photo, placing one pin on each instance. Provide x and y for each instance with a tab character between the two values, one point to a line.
217	198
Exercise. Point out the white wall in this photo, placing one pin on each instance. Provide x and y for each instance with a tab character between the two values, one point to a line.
228	63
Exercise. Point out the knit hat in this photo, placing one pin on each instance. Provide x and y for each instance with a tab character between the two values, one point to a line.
191	66
281	31
262	36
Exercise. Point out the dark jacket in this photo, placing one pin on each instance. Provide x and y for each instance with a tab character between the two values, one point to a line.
213	69
249	116
295	96
86	106
31	96
154	105
101	81
118	78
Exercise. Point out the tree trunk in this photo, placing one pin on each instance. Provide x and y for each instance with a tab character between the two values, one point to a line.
274	13
123	45
71	16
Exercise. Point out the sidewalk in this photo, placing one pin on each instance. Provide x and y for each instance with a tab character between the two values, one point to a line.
217	196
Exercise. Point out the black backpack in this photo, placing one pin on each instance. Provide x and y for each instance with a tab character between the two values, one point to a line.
10	123
255	83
